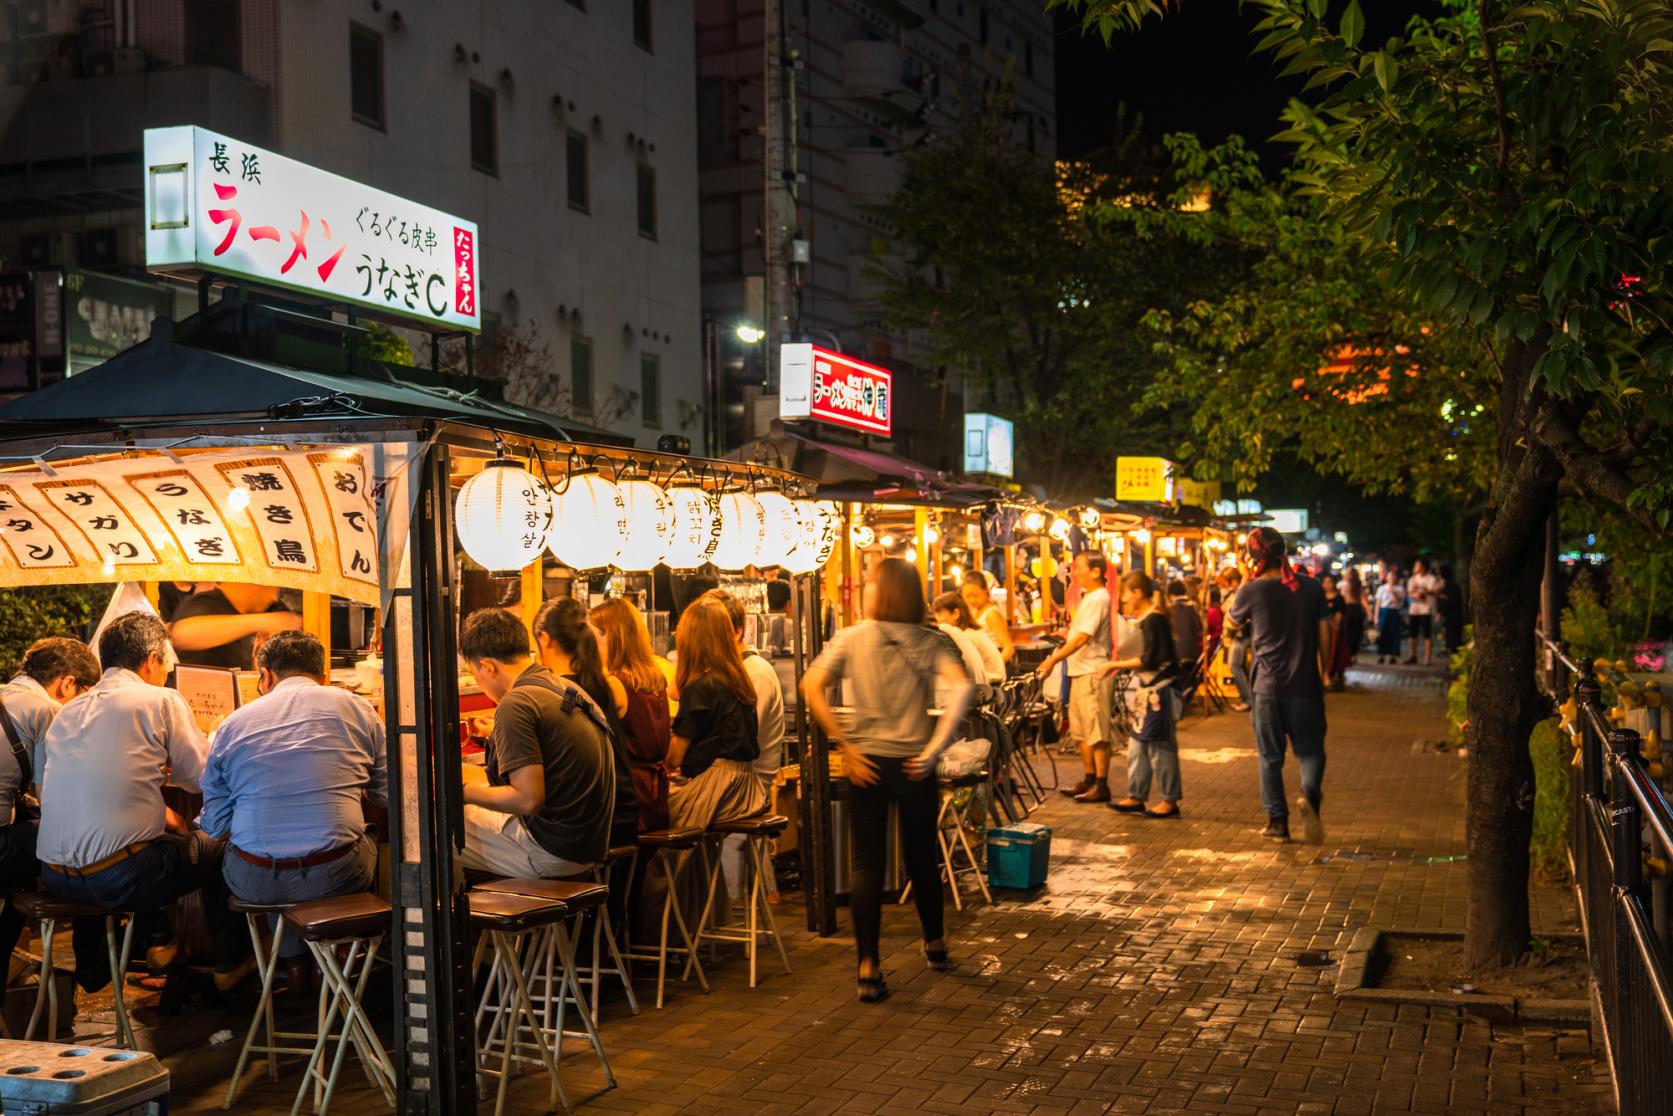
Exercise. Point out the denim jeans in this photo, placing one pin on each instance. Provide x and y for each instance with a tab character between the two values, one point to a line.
165	870
1160	758
1389	631
1237	654
1301	720
347	875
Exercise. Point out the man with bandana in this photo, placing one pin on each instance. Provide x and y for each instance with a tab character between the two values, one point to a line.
1288	623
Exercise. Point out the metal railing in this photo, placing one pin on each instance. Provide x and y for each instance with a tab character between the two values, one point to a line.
1621	847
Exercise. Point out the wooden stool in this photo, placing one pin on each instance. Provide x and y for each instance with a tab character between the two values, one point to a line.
507	921
361	922
267	962
756	831
553	956
667	845
48	911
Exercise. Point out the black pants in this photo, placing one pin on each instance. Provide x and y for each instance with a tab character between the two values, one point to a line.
167	869
18	869
868	810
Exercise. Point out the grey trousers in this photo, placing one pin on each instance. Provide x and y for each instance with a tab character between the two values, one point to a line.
347	875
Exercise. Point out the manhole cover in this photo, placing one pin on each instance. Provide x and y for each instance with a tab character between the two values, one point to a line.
1314	959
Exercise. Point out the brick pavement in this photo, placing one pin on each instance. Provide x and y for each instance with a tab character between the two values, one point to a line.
1156	973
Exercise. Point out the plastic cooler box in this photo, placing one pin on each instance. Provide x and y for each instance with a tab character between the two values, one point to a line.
1019	855
52	1079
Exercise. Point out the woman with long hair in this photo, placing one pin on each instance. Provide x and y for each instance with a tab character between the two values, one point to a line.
568	647
715	735
982	659
977	598
889	748
1336	609
1153	750
1353	620
645	719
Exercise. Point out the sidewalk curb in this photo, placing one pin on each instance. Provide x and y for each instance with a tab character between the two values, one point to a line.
1355	980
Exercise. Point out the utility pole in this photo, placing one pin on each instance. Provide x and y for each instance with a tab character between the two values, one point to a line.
777	203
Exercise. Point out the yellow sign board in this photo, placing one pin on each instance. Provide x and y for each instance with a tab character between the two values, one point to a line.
1144	479
1199	494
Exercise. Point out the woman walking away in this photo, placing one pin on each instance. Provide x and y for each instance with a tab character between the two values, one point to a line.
1390	596
646	720
714	739
1336	608
893	665
1353	619
1154	747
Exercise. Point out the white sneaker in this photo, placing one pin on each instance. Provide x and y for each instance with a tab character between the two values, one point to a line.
1312	827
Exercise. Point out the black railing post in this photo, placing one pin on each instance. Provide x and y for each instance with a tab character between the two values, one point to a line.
1588	696
1625	825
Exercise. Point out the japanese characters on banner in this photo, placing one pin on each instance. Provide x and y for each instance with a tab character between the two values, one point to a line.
217	204
300	519
829	387
1144	479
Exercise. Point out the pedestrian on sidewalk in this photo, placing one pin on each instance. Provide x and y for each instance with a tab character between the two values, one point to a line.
1336	655
1391	595
1237	640
1354	616
1422	589
889	751
1451	601
1087	651
1153	750
1289	630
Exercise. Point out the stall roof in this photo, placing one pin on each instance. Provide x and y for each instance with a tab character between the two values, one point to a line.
846	472
162	380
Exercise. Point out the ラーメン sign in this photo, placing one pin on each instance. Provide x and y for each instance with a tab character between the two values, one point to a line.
214	204
828	387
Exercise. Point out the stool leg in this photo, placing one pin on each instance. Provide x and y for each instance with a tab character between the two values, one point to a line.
970	855
506	945
620	969
767	912
685	936
264	1010
566	954
667	908
946	851
713	872
46	988
118	976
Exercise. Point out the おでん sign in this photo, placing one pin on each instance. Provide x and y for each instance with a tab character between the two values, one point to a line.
214	204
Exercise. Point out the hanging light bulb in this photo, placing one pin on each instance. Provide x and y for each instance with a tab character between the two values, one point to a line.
862	536
502	516
931	535
695	526
1060	529
239	498
589	523
650	525
1141	536
912	554
1034	522
1090	519
818	523
783	528
888	542
743	531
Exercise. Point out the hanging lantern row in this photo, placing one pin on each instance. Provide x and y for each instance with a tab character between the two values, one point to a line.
506	516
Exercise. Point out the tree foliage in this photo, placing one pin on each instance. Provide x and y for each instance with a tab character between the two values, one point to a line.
31	613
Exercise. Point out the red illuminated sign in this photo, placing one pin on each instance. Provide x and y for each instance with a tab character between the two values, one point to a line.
830	387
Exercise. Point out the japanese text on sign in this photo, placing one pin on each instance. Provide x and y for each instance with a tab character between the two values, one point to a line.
830	387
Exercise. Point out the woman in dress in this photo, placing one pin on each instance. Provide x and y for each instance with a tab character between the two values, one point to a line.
645	719
1153	750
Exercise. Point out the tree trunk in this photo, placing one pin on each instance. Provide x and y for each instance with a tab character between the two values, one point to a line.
1505	704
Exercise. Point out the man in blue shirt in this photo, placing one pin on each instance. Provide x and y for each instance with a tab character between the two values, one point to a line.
284	783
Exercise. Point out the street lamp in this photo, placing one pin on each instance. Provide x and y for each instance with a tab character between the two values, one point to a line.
750	335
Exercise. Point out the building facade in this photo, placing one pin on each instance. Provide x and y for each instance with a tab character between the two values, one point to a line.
565	128
862	82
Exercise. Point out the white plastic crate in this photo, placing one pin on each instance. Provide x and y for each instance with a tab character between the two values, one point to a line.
55	1079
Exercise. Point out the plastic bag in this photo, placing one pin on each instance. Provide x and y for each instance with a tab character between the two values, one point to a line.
129	597
963	757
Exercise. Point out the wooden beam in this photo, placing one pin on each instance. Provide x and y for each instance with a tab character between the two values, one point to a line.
316	619
533	588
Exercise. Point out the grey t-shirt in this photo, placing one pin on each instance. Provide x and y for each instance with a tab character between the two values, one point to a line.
891	670
1283	634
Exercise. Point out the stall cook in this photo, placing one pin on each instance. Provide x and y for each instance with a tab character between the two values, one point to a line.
219	625
284	781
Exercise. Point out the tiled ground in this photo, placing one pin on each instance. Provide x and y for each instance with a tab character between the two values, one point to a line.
1157	973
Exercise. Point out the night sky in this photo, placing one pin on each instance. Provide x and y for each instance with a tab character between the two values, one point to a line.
1190	72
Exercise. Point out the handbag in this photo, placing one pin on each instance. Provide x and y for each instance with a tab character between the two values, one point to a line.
26	807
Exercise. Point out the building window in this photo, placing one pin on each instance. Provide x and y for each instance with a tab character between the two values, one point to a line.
642	24
213	34
580	376
575	171
366	75
650	389
647	201
485	148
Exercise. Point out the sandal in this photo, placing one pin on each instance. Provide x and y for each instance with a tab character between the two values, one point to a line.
936	959
873	989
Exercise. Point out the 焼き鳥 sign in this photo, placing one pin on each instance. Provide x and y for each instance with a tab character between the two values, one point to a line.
300	519
219	205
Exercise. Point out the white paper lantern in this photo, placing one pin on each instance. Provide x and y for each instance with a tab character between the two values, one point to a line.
650	525
1060	529
820	523
502	516
695	527
743	531
784	527
861	535
589	523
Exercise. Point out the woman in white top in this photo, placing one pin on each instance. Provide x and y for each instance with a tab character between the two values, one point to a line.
953	615
980	605
1390	596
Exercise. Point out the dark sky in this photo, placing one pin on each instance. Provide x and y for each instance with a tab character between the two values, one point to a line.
1190	72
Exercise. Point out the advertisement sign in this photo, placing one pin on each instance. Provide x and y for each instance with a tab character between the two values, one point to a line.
105	315
1199	494
818	384
989	445
1288	521
1144	479
218	205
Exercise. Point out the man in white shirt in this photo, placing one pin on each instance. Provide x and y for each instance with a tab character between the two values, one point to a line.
1421	590
769	715
1085	652
53	671
106	837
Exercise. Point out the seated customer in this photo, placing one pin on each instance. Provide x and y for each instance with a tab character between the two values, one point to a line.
284	780
546	807
769	720
715	741
53	671
106	836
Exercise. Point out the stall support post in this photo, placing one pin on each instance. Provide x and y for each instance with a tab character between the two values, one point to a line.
817	844
533	588
1011	585
316	620
428	945
920	531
